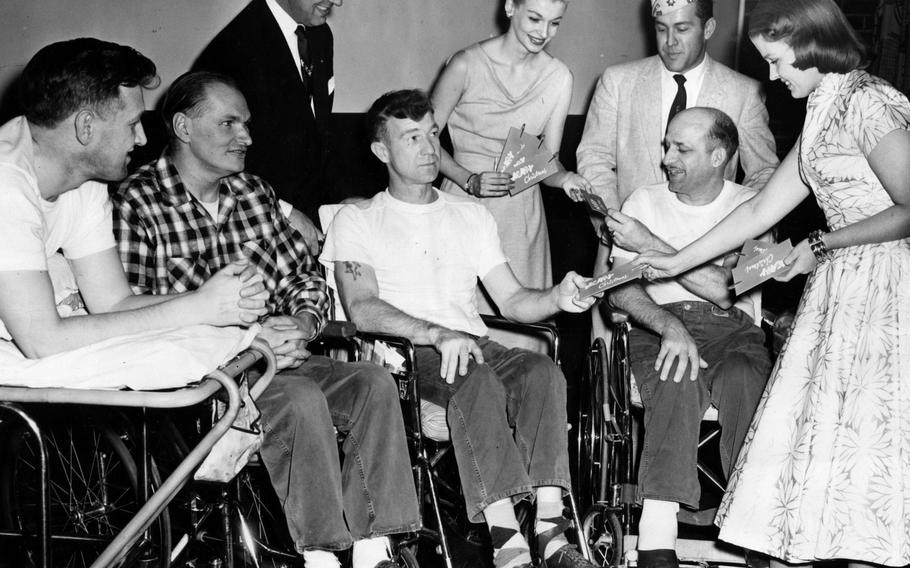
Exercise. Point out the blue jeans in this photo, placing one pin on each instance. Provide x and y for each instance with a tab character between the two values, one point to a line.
738	367
374	491
507	420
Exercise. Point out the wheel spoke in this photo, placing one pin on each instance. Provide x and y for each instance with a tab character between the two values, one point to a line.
91	490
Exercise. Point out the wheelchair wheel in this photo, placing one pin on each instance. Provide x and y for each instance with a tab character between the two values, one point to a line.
261	526
93	493
406	558
591	426
604	533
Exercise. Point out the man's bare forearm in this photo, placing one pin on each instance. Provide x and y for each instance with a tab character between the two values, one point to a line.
529	305
65	334
708	281
633	300
373	314
138	301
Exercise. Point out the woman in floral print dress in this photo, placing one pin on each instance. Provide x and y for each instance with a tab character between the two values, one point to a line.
825	469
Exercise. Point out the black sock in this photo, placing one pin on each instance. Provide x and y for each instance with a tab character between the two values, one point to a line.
660	558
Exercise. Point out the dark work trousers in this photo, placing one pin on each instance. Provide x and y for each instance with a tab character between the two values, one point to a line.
738	367
374	491
514	389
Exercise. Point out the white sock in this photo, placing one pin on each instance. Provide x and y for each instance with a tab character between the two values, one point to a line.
320	559
368	552
549	512
657	527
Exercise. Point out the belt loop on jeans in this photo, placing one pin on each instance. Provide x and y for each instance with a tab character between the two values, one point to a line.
719	312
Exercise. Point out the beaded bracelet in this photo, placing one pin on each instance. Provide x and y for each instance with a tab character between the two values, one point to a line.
818	247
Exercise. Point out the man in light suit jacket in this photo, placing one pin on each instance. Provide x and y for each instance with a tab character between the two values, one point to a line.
622	145
289	93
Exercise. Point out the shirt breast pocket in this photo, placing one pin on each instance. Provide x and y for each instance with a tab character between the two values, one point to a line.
187	273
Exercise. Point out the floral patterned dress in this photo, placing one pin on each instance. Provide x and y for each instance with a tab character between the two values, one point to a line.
825	469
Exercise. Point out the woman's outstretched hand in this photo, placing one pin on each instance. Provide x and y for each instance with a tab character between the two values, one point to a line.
658	265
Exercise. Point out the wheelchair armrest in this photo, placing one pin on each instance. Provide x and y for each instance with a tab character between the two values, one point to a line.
338	329
618	317
544	329
404	344
499	322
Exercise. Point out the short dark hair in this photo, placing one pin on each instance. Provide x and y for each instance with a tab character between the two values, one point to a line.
187	94
722	132
704	10
406	103
817	30
67	76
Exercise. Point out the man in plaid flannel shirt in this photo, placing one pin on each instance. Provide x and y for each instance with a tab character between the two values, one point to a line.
178	220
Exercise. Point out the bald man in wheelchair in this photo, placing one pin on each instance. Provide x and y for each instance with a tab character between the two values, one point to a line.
407	263
693	343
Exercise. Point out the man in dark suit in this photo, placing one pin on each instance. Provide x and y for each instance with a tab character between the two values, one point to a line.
280	53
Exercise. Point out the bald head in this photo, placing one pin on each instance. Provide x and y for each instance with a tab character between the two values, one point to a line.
719	129
700	141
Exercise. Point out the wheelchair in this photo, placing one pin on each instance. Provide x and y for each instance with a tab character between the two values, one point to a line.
81	488
447	533
607	454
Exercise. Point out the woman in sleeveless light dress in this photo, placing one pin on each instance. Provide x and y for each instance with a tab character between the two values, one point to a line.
824	472
508	81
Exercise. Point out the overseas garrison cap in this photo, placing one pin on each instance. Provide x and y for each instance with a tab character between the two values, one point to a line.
662	7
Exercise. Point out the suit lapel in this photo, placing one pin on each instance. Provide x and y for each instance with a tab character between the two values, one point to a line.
646	106
273	42
323	55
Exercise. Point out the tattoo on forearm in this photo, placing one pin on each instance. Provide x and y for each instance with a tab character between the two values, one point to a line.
353	268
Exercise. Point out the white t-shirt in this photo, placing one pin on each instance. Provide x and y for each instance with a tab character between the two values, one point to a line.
427	257
33	230
678	225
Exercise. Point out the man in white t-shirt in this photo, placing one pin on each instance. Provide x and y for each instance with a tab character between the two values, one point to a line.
82	100
693	343
406	262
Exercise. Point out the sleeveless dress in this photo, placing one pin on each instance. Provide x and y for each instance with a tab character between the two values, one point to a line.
825	469
478	126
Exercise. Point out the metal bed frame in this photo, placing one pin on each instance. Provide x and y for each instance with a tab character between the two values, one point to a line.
11	399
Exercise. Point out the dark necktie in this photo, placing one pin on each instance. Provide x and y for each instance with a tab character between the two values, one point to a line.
303	49
679	101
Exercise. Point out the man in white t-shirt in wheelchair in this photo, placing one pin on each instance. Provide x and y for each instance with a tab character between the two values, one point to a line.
407	263
693	343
